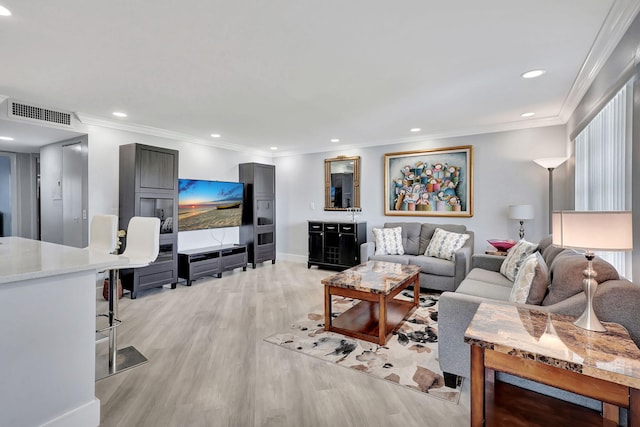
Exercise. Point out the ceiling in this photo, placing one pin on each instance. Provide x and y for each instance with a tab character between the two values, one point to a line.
297	73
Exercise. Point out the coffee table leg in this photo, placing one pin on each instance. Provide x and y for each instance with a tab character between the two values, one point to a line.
416	290
382	320
327	308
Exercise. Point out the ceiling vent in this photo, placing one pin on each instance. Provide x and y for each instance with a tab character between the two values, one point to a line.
35	114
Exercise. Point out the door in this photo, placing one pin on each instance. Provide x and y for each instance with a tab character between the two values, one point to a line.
72	211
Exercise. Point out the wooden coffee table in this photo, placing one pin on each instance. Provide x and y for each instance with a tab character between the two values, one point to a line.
375	284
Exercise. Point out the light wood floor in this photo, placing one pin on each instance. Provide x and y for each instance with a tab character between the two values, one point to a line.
209	366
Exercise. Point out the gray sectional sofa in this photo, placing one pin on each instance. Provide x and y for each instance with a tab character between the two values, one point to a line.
435	273
616	300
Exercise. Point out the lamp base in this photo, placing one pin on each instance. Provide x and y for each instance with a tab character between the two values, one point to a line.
588	319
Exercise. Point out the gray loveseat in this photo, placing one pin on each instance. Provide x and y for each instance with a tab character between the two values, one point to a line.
616	300
435	273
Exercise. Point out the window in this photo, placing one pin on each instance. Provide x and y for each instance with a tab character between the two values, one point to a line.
603	166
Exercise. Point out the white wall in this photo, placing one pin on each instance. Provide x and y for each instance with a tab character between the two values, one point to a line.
504	174
196	161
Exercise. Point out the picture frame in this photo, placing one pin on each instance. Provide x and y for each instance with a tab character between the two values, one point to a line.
435	182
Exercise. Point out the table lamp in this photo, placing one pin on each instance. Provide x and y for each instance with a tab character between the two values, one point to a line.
591	230
521	212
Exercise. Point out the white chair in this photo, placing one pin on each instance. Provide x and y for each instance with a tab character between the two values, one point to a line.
104	233
142	248
143	241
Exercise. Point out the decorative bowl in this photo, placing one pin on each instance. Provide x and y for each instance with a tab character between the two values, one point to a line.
502	245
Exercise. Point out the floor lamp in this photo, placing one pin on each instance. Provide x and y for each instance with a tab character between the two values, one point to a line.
550	163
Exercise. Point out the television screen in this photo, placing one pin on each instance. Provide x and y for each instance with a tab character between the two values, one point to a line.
209	204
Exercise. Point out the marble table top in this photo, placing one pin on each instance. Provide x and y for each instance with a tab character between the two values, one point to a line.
24	259
554	340
376	277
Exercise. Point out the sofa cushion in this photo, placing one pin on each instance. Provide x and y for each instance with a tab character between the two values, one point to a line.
515	257
427	230
398	259
444	244
531	281
388	241
484	289
544	243
550	252
566	275
431	265
494	277
410	236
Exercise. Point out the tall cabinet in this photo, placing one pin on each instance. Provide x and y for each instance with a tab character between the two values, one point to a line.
149	187
258	230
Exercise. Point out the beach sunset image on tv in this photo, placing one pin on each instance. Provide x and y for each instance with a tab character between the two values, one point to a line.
209	204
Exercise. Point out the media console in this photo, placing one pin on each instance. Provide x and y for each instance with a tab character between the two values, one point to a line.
200	262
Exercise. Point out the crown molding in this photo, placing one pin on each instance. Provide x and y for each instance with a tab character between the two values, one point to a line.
619	18
477	130
92	120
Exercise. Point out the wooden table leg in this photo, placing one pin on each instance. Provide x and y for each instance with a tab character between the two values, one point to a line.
633	419
382	320
416	290
611	412
477	386
327	308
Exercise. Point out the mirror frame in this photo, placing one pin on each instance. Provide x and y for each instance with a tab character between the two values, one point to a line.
327	182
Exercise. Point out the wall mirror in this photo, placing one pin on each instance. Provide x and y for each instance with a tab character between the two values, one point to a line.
341	183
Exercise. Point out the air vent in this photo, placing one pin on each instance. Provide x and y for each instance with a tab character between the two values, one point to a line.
32	112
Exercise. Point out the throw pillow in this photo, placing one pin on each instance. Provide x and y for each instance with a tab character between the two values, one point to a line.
388	241
515	257
531	281
444	244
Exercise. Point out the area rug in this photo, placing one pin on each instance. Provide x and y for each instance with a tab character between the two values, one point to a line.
409	358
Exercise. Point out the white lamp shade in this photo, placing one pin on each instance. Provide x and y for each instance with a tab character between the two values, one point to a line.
551	162
603	231
521	212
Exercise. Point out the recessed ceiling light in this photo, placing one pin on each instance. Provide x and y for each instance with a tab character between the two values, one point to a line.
527	114
533	74
119	114
6	138
274	148
4	11
215	135
335	140
415	129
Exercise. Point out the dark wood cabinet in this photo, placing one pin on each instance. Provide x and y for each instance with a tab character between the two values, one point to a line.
258	230
196	263
149	187
335	244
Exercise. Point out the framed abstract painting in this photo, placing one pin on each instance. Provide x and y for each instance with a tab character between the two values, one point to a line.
437	182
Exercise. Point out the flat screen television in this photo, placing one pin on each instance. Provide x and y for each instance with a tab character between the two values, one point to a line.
209	204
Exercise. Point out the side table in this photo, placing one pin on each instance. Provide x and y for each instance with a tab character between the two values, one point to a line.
548	348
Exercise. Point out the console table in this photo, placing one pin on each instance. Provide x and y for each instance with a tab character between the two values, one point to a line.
196	263
548	348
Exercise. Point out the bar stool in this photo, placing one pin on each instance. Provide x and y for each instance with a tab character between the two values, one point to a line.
104	239
142	248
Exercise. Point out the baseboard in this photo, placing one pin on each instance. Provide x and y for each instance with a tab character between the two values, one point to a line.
82	416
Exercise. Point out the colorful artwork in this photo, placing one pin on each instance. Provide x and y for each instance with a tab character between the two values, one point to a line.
429	183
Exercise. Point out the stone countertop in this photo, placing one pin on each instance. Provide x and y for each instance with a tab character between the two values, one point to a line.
554	340
376	277
24	259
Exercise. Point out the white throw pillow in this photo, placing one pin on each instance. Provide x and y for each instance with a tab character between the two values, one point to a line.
444	244
388	241
532	273
515	257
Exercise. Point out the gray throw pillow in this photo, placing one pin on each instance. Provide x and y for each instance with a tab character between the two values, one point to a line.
515	257
428	229
566	278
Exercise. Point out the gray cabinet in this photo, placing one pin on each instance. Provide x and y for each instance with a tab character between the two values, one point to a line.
149	187
258	230
335	245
